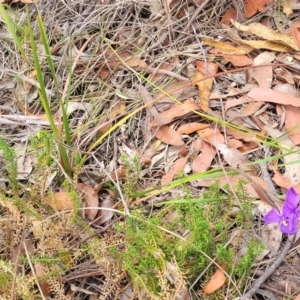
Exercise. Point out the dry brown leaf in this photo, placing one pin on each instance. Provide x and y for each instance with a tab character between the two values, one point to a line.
176	111
90	199
292	123
267	33
51	244
212	136
294	4
229	14
204	86
191	127
177	167
227	47
247	146
169	136
11	208
120	173
203	161
254	6
286	8
197	145
267	45
263	75
265	95
105	215
291	161
233	143
60	201
234	179
216	281
284	182
136	62
240	135
238	60
232	156
250	108
298	296
41	271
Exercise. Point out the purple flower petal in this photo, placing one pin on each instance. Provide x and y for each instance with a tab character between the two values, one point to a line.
289	226
273	216
291	199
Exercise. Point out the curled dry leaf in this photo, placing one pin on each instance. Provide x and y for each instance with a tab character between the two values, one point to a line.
60	201
90	199
176	111
269	45
268	34
203	161
227	47
229	14
177	167
169	136
204	70
217	280
105	215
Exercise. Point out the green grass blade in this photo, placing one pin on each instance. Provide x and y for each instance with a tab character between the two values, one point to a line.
45	103
12	30
48	51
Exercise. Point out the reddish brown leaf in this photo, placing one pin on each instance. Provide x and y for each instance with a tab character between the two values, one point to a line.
176	111
191	127
283	182
292	123
90	199
229	14
60	201
233	143
265	95
169	136
234	179
247	146
203	161
120	173
254	6
175	169
263	75
239	60
40	271
217	280
212	136
250	108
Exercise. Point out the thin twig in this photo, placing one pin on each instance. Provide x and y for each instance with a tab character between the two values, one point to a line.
271	269
195	15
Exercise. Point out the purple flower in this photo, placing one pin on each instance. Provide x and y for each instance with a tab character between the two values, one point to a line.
288	218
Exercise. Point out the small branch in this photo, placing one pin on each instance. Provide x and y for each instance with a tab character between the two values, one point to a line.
271	269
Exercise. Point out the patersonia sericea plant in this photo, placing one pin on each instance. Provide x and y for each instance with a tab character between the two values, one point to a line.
288	216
